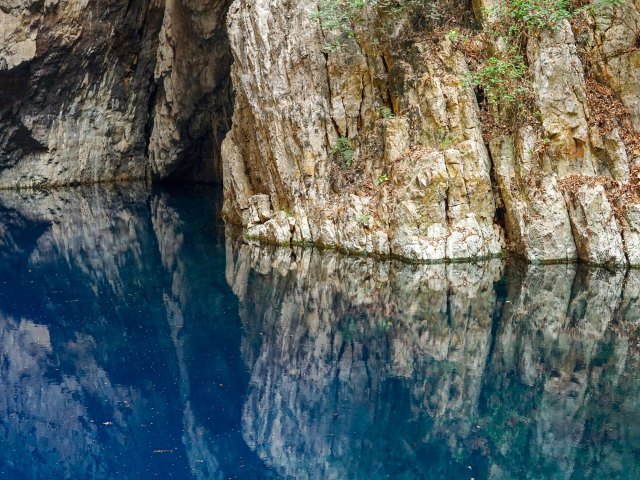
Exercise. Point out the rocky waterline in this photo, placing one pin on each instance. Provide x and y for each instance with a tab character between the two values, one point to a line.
139	341
256	94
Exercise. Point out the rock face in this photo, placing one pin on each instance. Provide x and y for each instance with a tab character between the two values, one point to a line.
420	180
94	91
294	101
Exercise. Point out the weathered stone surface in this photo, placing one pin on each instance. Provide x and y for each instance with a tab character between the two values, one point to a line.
613	51
78	95
537	220
193	102
98	91
559	86
424	195
595	231
529	165
631	233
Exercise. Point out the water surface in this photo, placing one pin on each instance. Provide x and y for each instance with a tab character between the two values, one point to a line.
138	342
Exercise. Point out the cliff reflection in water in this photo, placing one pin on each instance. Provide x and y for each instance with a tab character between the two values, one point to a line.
366	370
138	343
119	337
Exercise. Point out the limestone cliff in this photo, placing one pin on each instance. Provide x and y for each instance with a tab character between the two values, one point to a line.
417	129
435	168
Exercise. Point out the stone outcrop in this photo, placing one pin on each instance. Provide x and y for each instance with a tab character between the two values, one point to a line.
375	141
421	183
422	187
535	211
595	231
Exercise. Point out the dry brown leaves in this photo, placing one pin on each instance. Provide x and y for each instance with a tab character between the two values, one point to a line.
607	113
619	194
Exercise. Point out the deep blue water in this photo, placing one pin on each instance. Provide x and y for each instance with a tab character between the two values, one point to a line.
139	342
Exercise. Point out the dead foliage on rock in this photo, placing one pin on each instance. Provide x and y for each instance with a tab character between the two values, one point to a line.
619	194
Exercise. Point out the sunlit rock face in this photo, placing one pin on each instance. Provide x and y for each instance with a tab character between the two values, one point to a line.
109	359
111	90
420	183
362	369
429	176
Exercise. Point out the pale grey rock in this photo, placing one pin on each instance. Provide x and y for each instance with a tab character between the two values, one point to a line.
537	221
439	205
614	54
631	233
106	91
595	230
617	158
559	86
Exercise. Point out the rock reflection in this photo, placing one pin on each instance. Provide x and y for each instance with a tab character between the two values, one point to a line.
123	355
110	363
365	369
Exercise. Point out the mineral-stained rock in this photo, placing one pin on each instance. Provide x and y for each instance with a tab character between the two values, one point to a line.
613	50
537	221
594	226
424	195
631	233
559	85
371	142
418	180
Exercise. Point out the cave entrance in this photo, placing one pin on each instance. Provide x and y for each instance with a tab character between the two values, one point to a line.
192	102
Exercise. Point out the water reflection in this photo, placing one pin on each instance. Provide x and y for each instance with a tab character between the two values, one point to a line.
120	339
363	369
137	342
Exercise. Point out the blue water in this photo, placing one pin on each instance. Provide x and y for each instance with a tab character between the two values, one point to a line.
138	341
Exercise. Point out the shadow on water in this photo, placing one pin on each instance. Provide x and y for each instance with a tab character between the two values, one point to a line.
138	342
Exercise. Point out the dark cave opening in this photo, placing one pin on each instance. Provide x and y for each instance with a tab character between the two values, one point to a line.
193	103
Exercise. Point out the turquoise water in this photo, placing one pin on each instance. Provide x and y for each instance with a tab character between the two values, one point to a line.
139	342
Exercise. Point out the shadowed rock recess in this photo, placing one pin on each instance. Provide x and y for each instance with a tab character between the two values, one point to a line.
374	141
112	90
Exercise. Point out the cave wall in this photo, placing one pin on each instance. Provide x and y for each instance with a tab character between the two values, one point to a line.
101	91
